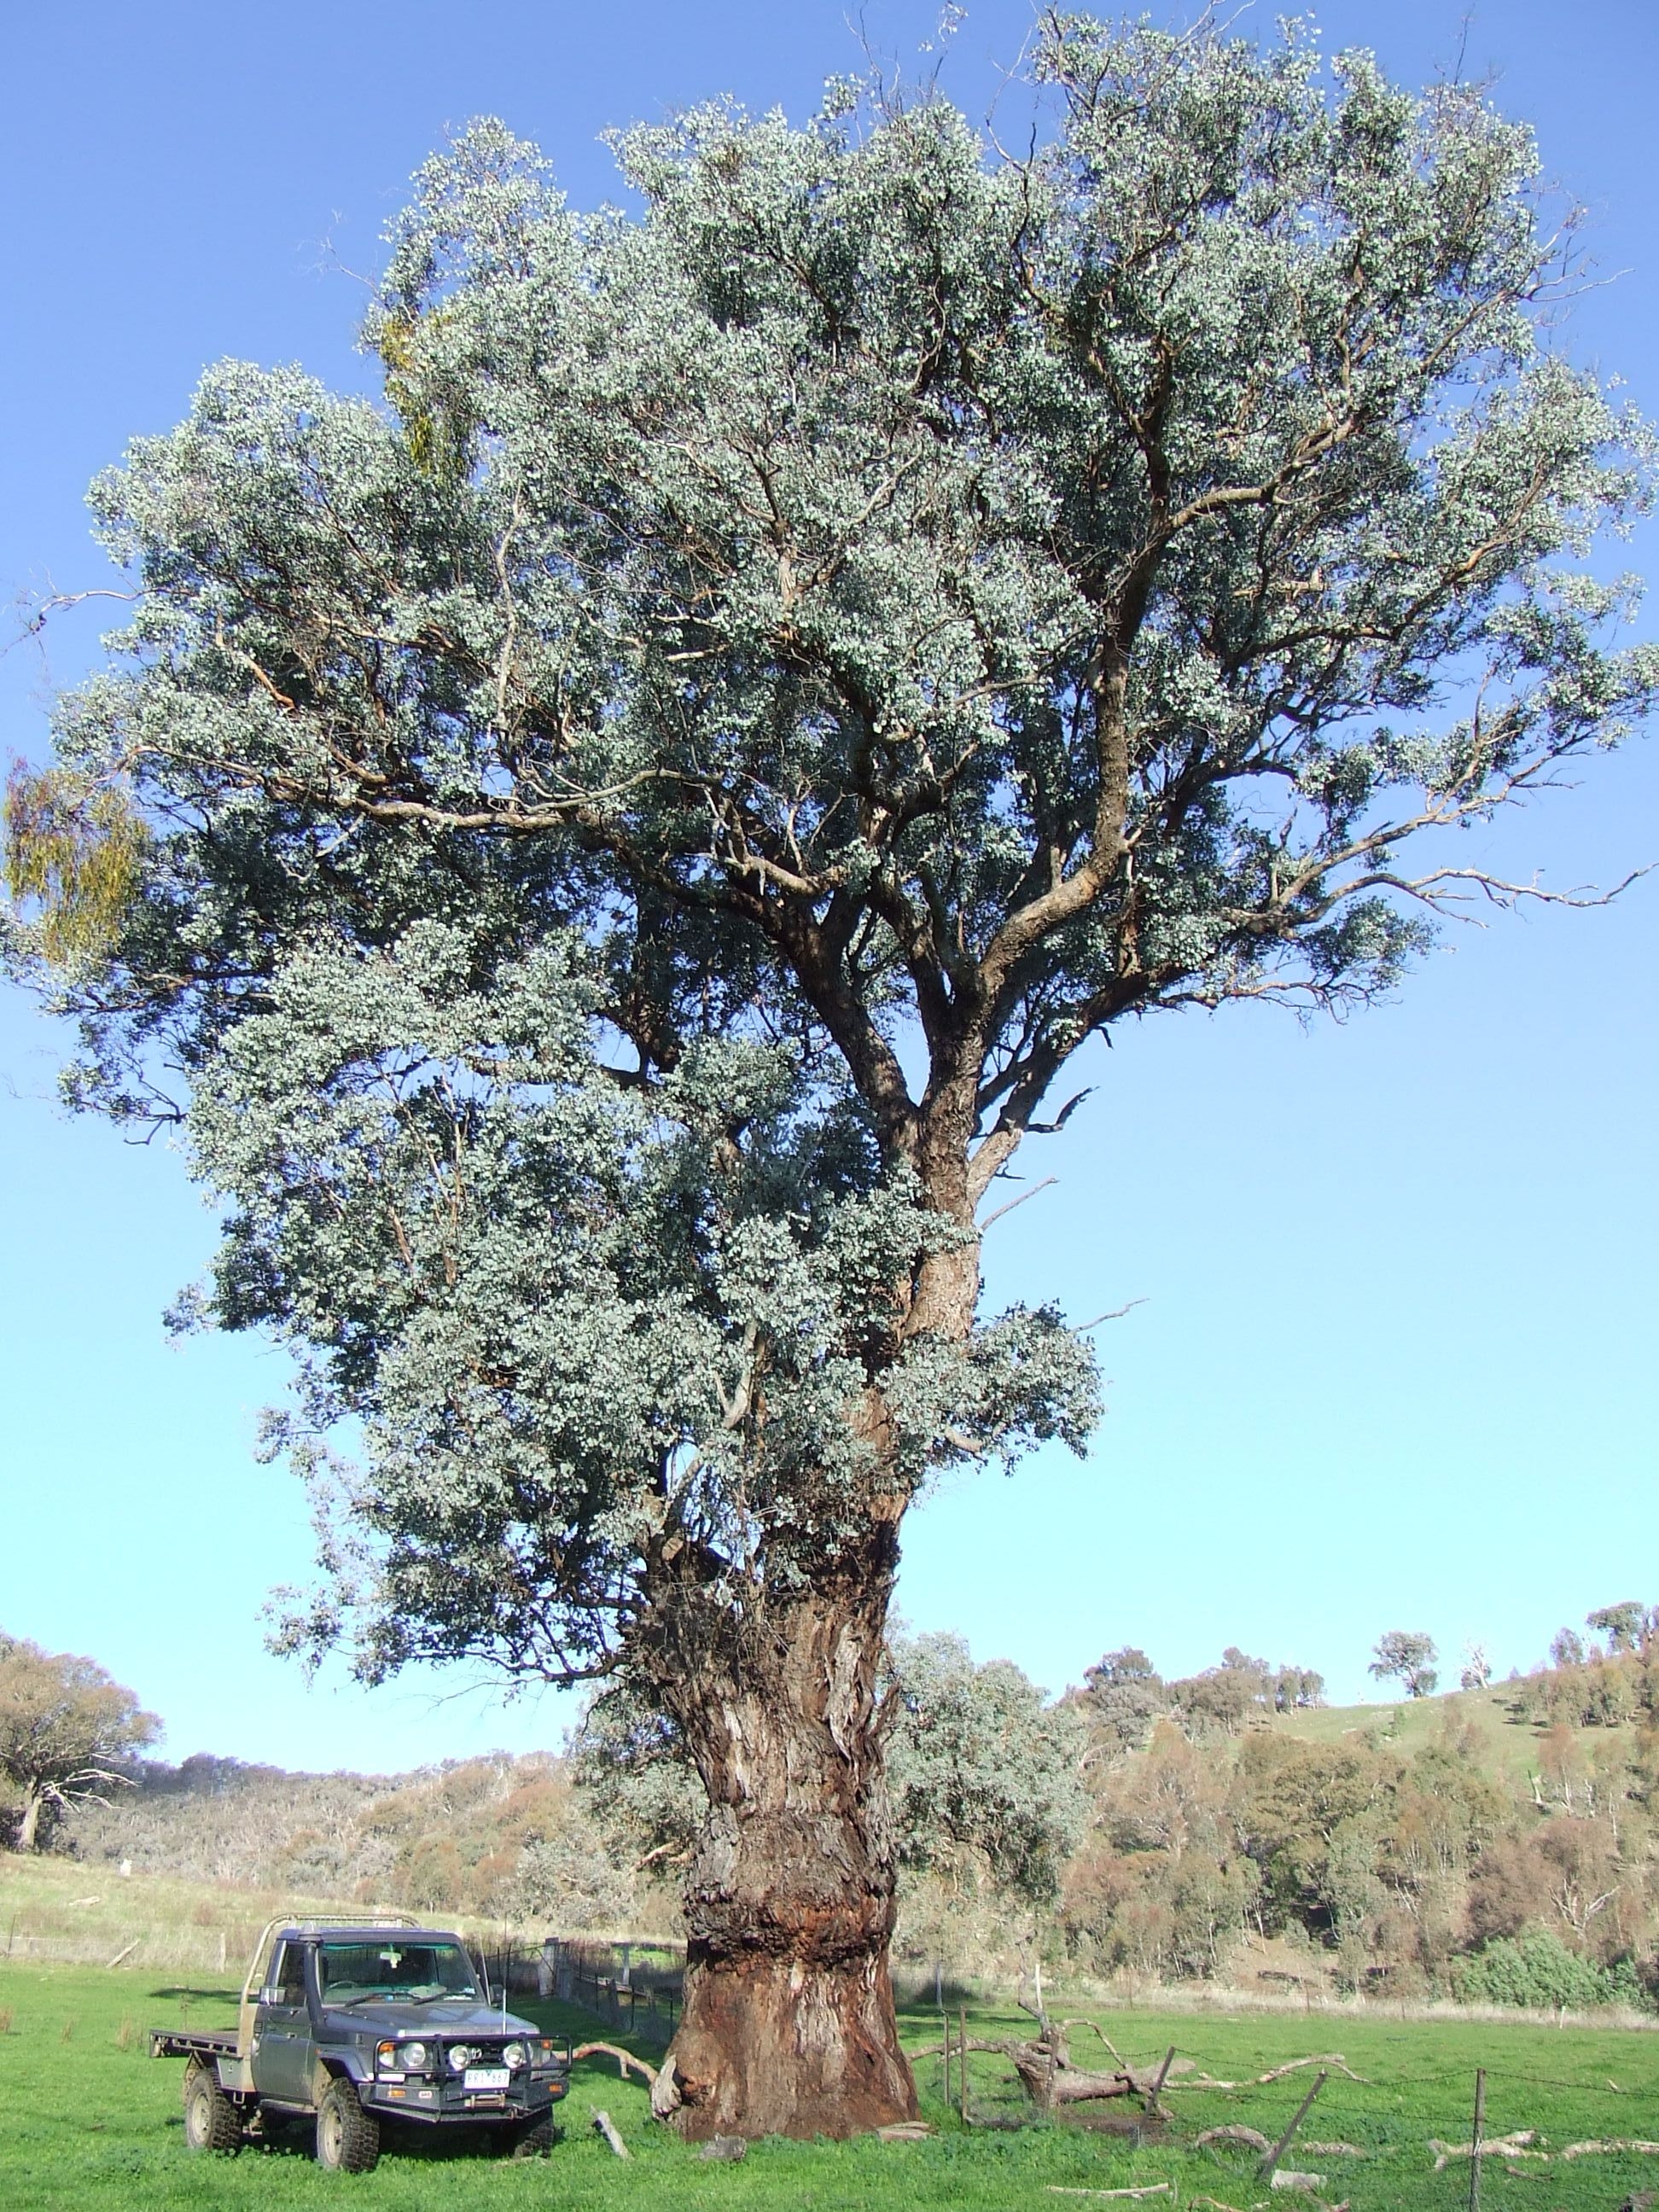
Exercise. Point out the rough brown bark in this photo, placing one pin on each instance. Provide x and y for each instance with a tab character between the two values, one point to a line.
788	2027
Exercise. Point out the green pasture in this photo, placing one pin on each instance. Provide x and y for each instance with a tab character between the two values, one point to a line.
1508	1750
89	2122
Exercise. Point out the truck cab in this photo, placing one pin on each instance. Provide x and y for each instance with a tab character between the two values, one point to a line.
357	2023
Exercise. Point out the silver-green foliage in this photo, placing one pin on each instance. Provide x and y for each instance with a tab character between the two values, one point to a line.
633	828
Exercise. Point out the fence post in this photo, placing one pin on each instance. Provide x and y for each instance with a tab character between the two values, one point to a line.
1475	2141
962	2063
1265	2171
1152	2105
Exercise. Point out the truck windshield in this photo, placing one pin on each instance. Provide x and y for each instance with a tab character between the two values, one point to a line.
347	1972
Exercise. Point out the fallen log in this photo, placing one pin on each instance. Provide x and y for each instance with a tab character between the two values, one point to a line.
1610	2146
1338	2150
1046	2072
1307	2184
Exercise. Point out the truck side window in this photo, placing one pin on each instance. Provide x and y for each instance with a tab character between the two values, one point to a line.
287	1977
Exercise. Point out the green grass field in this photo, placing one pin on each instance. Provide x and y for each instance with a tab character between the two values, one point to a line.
89	2122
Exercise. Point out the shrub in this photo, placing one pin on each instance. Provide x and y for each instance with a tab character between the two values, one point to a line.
1536	1969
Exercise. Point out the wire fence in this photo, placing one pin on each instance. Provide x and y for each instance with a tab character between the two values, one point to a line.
634	1987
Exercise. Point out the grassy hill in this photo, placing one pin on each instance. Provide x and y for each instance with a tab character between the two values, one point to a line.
1508	1746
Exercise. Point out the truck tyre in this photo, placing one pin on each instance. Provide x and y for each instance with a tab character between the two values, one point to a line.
536	2139
348	2137
211	2121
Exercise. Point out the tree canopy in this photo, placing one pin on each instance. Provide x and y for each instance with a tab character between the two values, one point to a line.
609	850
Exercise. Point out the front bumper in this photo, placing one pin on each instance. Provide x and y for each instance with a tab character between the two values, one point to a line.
417	2098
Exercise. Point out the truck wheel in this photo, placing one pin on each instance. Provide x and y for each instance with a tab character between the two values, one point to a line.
211	2121
538	2139
348	2137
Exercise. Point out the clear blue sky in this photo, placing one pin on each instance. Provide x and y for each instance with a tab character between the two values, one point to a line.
1394	1361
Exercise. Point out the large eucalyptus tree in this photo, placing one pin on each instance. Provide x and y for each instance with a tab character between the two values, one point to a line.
608	852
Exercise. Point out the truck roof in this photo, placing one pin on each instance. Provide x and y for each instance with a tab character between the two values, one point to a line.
390	1925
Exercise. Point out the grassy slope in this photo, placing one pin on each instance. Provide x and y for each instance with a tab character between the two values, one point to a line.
1511	1746
90	2123
68	1909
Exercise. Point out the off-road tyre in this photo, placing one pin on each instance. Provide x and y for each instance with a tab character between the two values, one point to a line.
348	2137
536	2138
211	2121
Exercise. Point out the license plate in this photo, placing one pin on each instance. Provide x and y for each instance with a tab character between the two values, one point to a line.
486	2077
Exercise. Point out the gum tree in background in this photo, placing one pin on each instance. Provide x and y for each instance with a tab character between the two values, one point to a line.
64	1723
1406	1655
609	853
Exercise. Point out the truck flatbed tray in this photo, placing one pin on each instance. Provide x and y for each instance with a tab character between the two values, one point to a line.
192	2042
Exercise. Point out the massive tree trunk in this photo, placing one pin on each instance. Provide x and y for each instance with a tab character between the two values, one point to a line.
788	2027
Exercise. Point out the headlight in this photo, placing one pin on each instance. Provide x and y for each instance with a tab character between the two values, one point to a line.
460	2057
514	2055
414	2056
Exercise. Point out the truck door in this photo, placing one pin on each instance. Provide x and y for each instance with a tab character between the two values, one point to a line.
282	2068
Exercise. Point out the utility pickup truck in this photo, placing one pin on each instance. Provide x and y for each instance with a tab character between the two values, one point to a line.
352	2023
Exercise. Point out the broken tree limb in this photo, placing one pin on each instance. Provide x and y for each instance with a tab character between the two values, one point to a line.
1332	2061
1308	2183
1247	2138
1095	2026
1518	2145
1610	2146
1334	2150
1151	2189
624	2059
606	2127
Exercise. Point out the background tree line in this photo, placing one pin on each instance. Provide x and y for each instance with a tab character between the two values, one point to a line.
1500	1846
